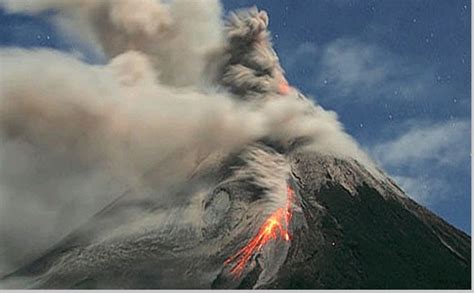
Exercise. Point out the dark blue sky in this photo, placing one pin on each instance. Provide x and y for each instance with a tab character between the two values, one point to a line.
396	72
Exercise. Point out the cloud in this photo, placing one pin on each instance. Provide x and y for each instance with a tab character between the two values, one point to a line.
349	67
177	36
421	158
441	143
348	70
424	189
304	51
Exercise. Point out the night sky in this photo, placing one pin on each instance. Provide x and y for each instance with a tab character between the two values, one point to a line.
396	72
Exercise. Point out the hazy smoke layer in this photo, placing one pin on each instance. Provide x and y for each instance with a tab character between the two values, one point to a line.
75	136
178	36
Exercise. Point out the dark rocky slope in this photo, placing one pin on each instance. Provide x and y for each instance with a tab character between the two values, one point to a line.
361	233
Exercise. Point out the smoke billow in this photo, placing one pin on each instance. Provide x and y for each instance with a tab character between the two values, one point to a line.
179	85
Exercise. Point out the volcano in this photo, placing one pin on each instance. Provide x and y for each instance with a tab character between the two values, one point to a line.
271	214
348	230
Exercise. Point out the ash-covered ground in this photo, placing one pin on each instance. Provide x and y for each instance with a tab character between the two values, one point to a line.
188	161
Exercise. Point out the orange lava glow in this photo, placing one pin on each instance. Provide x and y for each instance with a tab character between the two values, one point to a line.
283	87
274	227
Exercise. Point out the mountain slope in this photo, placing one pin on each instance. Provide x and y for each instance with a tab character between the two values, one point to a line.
367	235
349	230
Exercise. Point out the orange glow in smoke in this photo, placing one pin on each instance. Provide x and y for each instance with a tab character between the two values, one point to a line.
283	87
274	227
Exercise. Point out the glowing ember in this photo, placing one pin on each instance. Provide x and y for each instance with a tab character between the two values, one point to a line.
283	85
283	88
275	226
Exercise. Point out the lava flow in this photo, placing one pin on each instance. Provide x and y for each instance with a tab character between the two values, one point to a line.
275	226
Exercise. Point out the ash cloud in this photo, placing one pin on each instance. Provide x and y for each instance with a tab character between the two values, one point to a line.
179	85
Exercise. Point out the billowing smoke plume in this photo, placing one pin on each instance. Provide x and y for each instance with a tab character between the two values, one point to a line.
178	38
179	86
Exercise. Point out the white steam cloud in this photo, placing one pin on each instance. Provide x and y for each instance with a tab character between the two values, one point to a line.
179	86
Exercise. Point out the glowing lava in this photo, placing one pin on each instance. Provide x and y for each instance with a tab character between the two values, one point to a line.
283	86
275	226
